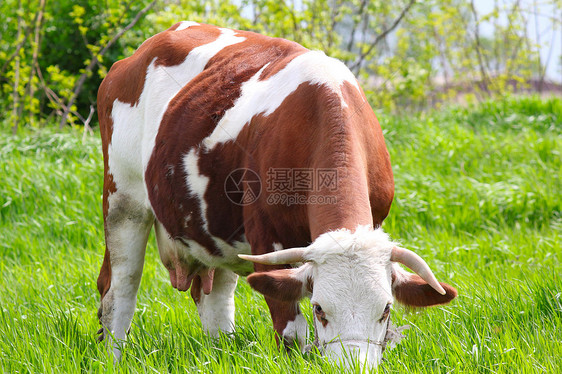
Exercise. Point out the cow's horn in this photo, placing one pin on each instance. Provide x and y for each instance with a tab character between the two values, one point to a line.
285	256
418	265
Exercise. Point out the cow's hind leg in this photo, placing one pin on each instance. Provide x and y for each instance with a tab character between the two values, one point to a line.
216	310
127	226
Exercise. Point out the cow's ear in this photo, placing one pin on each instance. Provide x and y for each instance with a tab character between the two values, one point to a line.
283	284
411	290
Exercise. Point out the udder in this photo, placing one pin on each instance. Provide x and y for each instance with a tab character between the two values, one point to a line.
182	275
182	267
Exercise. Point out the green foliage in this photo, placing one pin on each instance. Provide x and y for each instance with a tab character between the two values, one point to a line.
70	35
477	195
435	53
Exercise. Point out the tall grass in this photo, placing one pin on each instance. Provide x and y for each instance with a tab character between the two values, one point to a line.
478	195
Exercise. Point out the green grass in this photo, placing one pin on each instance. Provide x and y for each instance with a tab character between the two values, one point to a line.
478	195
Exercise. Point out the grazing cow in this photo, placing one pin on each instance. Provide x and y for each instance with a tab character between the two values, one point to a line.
199	113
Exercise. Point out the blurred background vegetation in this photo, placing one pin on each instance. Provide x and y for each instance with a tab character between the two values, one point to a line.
409	55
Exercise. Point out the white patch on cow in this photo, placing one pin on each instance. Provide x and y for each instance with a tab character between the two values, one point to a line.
197	183
265	96
277	247
229	258
185	24
297	330
124	158
231	252
216	310
187	220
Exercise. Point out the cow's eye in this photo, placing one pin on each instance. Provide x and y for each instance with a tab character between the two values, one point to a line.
320	315
318	309
386	312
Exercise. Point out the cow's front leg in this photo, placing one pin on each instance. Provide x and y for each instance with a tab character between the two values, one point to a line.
288	321
216	309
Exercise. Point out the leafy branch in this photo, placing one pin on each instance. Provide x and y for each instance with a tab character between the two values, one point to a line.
93	62
359	61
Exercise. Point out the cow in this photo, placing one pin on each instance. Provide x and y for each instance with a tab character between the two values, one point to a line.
198	112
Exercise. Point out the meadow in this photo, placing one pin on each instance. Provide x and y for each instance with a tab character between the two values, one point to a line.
478	195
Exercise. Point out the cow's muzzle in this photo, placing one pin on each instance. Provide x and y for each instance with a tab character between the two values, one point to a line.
368	353
351	353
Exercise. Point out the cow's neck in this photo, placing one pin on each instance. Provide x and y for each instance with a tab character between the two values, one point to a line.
314	129
349	205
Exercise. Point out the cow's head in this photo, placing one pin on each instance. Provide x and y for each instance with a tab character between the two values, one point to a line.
352	280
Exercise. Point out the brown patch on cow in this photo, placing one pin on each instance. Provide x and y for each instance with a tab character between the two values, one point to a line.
415	292
105	106
104	283
104	278
277	284
109	187
281	62
106	126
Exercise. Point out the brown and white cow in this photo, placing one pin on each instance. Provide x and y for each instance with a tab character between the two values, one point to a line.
197	102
